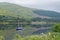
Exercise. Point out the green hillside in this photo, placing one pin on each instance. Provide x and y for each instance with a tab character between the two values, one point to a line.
14	10
47	13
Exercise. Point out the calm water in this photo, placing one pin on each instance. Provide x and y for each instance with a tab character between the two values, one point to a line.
41	31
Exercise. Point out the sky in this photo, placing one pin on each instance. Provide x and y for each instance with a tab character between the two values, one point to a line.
53	5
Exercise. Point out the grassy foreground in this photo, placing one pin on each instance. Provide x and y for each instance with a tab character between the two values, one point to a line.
49	36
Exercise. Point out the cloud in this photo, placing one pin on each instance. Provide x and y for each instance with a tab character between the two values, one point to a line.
30	1
19	1
40	4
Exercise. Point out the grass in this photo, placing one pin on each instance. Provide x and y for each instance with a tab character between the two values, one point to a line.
49	36
13	10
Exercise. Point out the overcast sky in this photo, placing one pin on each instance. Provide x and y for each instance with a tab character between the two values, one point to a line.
53	5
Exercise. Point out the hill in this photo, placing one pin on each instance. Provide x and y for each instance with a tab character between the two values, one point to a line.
47	13
14	10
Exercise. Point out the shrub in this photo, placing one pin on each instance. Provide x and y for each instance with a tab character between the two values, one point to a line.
56	28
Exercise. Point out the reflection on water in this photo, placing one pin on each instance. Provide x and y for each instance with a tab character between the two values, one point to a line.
41	31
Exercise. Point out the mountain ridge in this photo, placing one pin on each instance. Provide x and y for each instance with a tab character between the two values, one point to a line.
15	10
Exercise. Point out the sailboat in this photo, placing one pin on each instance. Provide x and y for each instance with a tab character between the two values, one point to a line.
19	28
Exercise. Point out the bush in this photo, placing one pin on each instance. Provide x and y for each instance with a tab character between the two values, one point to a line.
56	28
48	36
2	38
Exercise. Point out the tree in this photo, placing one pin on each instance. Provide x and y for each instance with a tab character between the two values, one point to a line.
56	28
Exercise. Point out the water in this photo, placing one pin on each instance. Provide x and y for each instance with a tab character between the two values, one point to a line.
41	31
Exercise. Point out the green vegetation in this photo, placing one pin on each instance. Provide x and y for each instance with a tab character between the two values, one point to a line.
13	10
49	36
56	28
9	9
9	14
2	38
47	13
42	37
